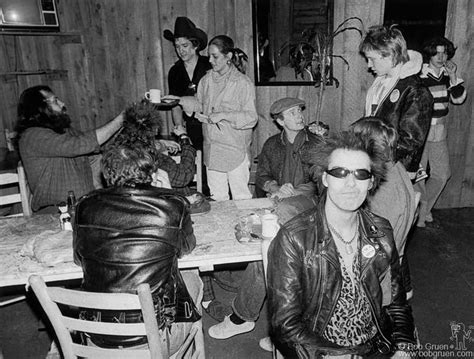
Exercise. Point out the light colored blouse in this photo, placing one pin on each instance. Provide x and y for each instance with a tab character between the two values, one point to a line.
225	146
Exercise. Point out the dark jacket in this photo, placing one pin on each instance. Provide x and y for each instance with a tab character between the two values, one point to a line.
305	280
272	159
407	106
127	236
180	84
410	115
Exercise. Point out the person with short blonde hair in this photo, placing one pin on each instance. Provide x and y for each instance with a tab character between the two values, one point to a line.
397	94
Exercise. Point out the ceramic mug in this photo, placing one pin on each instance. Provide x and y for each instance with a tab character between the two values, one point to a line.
154	95
270	225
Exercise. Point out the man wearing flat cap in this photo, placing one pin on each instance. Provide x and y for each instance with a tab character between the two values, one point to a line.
280	172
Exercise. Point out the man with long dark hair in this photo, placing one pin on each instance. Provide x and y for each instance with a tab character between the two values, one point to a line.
54	154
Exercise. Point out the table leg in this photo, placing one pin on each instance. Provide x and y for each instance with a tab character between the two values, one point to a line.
206	268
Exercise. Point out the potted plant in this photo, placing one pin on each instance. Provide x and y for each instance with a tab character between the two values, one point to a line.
313	53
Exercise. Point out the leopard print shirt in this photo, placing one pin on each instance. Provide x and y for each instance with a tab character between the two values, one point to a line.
351	323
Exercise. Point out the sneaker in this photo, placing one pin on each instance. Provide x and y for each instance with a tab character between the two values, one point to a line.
420	223
227	329
266	344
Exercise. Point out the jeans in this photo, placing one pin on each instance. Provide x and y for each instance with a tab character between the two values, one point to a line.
437	155
251	294
237	180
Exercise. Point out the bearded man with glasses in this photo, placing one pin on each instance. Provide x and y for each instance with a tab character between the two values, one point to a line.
334	283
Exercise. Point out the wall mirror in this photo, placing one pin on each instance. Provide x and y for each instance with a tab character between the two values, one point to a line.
284	45
425	20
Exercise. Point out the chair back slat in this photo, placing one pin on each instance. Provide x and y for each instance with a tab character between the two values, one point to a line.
106	328
8	178
95	300
102	353
10	198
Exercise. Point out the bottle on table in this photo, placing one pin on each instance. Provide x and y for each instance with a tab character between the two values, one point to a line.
64	217
71	205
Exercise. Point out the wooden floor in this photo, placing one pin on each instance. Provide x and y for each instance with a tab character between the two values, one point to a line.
442	269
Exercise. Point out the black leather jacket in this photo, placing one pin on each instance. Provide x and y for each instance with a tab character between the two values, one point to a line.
304	283
407	107
127	236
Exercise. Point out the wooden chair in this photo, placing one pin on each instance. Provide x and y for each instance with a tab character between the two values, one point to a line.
50	297
24	194
8	179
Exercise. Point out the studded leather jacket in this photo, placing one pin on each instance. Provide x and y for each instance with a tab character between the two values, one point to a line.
127	236
304	284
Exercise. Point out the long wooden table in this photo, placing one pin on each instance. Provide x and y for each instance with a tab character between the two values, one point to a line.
214	231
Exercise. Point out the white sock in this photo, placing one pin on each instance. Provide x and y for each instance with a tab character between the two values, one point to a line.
206	303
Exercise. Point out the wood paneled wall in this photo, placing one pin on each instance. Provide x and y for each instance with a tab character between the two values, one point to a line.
122	53
459	191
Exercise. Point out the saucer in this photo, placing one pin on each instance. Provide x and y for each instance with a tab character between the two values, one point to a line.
165	105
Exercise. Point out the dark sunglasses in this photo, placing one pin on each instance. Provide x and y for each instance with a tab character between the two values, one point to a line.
341	172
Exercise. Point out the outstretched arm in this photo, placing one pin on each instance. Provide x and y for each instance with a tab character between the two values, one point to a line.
105	132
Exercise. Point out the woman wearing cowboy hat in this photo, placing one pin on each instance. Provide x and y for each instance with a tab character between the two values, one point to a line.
186	73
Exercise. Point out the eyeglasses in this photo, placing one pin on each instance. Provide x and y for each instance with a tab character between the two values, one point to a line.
341	172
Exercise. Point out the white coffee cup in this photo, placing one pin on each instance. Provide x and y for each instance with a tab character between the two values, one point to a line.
270	225
154	95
